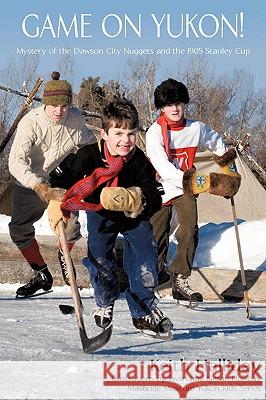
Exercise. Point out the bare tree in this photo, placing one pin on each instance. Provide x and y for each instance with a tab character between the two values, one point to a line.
138	82
66	67
93	97
19	77
227	103
210	97
258	130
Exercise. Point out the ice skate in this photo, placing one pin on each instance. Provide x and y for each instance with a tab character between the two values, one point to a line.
183	292
103	316
41	280
155	324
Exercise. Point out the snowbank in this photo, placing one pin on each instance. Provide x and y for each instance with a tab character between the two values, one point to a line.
217	242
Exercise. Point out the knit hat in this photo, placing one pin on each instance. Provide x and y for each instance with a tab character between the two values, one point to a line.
170	92
57	92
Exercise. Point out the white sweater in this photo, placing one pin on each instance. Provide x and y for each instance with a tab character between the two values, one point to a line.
41	144
183	146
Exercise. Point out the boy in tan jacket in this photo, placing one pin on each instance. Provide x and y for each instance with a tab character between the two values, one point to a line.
44	137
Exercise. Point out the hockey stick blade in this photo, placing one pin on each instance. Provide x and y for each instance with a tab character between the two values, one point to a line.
90	345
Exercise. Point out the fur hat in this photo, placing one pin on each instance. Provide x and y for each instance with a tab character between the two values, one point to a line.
170	92
57	92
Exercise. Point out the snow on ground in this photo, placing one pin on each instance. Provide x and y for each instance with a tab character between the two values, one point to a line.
217	242
218	248
34	329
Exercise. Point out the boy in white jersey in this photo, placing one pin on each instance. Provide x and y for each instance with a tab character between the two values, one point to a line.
171	144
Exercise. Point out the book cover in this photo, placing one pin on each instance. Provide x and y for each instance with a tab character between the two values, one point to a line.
118	48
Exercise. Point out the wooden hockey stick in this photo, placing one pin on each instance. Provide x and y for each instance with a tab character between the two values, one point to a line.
13	91
92	344
21	113
242	270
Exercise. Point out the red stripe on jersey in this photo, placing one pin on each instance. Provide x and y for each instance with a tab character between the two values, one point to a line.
183	157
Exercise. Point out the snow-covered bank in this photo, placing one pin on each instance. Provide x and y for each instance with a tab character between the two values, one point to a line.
218	248
217	242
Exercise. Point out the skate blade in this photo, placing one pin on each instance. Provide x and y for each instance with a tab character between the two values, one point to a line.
18	296
188	304
156	335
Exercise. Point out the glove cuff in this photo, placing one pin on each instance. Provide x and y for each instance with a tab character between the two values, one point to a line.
187	181
227	158
139	203
194	184
41	189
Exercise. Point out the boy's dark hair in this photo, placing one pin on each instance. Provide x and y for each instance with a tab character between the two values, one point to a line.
170	92
123	113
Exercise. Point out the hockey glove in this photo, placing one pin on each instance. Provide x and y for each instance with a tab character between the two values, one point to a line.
227	164
55	214
214	183
47	193
130	200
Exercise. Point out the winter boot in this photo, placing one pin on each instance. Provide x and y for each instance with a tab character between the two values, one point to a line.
103	316
182	290
62	262
154	324
42	279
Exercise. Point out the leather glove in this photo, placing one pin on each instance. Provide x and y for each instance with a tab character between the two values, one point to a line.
55	214
227	162
129	200
47	193
218	184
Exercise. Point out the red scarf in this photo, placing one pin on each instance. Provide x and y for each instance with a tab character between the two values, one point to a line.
167	125
73	199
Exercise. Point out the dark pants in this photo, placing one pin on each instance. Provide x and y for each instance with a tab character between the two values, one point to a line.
139	262
186	217
27	208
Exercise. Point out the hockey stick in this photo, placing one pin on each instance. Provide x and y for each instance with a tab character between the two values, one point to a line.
89	345
21	113
65	308
13	91
242	270
92	114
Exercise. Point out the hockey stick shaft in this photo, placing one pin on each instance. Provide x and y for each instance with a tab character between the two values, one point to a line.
21	94
242	269
92	114
89	345
72	280
20	114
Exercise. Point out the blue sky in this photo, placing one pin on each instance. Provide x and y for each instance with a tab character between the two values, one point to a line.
111	66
